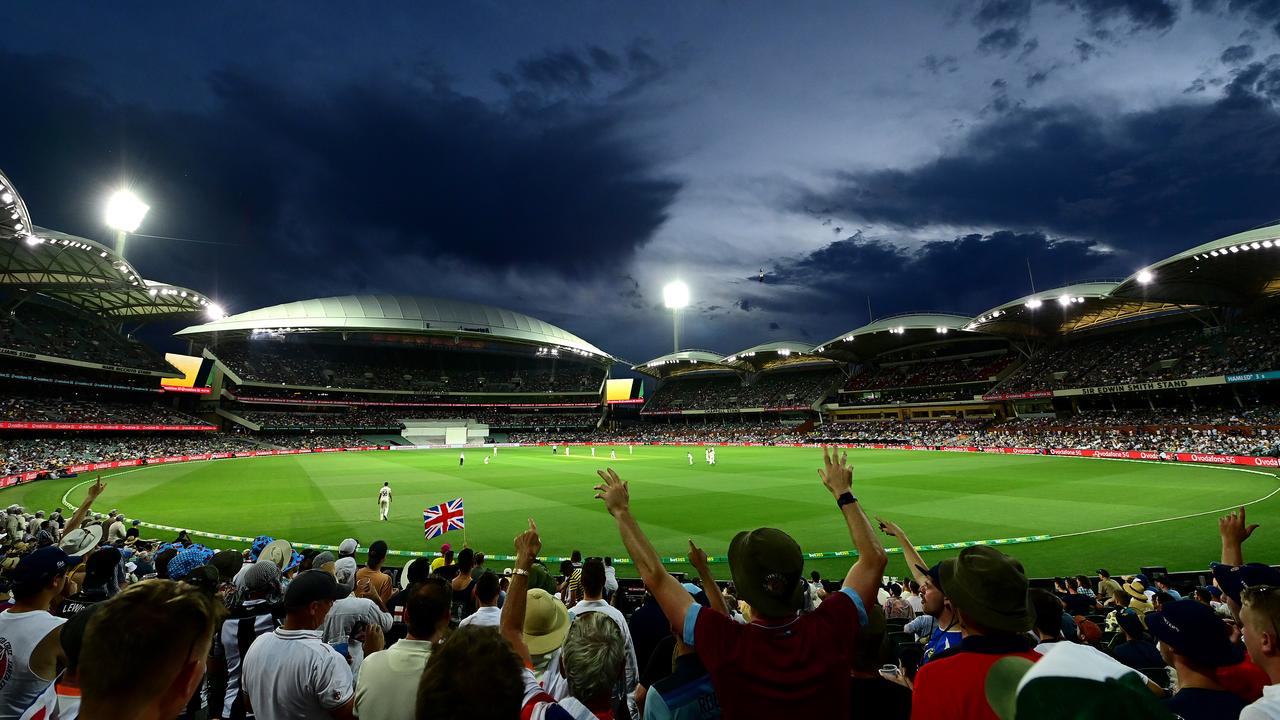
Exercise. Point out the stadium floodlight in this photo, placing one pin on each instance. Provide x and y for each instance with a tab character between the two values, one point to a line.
1033	303
675	295
1064	300
215	311
33	240
124	214
1266	243
1145	276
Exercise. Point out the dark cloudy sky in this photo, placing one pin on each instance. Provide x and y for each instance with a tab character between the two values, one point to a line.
567	159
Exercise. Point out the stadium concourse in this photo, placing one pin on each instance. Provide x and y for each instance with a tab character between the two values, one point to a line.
1178	363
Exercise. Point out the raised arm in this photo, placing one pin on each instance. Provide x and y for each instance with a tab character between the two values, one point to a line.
671	596
909	553
90	497
866	574
1234	531
698	559
527	545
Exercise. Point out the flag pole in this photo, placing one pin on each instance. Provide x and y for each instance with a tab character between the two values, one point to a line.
464	527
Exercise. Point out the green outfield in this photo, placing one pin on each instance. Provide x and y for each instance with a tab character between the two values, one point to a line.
936	497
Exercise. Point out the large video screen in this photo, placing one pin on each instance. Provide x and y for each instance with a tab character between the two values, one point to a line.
624	390
195	374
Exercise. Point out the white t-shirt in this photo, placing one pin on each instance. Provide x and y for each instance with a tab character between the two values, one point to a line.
388	681
294	675
483	617
1266	707
342	619
384	495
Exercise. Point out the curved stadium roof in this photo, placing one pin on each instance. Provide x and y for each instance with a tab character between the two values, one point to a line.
683	363
14	219
893	333
768	356
404	314
92	277
1234	270
1065	309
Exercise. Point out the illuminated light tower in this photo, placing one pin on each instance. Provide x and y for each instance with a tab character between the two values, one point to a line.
124	214
675	295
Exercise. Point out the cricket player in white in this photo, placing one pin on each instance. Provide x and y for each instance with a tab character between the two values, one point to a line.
690	457
384	500
593	451
486	459
711	456
613	454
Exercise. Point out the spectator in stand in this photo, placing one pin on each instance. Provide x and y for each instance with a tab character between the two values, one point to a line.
1209	596
164	629
1048	618
353	619
592	574
1136	650
911	593
486	592
545	625
610	578
259	610
870	692
31	633
781	662
896	607
463	585
592	663
1162	585
1194	642
988	590
387	686
68	685
1259	623
290	673
1107	588
939	623
370	580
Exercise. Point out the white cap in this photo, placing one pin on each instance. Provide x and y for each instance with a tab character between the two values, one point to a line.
348	547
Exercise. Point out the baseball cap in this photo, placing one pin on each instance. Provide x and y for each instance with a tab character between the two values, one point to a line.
989	587
934	575
1235	578
1194	631
546	622
41	566
767	565
1070	681
446	548
188	560
348	547
312	586
344	570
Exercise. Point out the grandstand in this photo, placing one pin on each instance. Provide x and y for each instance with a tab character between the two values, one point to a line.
375	362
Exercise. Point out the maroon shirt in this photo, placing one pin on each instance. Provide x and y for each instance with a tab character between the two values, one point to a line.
789	669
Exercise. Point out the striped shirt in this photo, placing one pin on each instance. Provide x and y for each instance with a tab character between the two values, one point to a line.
246	622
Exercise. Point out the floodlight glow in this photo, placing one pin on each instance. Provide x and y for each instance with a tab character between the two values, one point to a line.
1234	248
675	295
1255	246
1064	300
125	211
6	198
1145	276
1034	303
215	311
1266	243
33	240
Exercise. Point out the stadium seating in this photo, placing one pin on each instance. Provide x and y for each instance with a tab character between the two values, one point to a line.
791	389
41	329
319	365
86	407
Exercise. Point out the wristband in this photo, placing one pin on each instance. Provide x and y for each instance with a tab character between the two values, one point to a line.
846	498
519	571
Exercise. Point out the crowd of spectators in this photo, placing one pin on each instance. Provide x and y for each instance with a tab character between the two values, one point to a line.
1155	354
372	418
44	330
102	622
304	441
779	389
16	406
378	367
57	452
928	373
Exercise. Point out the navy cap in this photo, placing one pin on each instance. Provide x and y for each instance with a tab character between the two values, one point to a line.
41	566
312	586
935	575
1194	631
1235	578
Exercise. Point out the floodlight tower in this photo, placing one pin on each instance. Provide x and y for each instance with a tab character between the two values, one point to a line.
124	214
675	295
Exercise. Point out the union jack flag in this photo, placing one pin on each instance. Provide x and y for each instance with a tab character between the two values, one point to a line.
440	519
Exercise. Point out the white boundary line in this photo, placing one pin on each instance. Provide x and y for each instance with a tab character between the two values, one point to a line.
66	503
